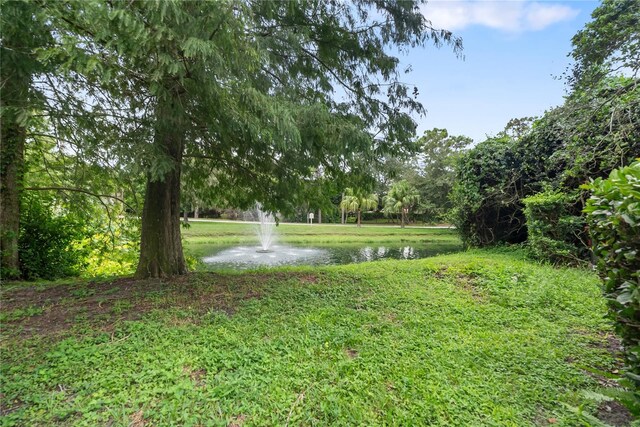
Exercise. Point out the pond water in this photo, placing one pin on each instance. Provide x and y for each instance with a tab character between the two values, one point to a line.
247	256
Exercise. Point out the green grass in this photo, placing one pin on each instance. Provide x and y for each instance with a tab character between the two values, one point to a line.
473	339
227	232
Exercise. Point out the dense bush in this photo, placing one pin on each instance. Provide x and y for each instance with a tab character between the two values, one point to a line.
587	137
46	242
486	195
555	233
613	213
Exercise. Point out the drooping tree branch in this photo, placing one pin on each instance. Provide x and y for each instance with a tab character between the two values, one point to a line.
80	190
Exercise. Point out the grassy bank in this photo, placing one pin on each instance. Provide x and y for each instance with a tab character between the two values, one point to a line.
232	233
474	338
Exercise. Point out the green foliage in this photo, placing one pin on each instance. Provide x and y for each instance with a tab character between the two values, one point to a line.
595	131
554	233
249	87
357	201
435	176
431	171
247	94
354	201
487	194
587	137
46	242
613	212
20	313
478	338
402	198
111	248
608	44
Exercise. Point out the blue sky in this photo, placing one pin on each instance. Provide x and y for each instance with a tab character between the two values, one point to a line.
513	49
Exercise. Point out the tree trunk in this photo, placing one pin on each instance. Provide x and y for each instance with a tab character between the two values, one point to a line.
11	172
402	219
359	223
160	245
319	216
195	212
342	210
16	84
185	216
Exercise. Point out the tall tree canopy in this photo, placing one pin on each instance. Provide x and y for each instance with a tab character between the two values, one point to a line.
609	44
247	88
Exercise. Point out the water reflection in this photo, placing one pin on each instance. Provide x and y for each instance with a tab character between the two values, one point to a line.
244	257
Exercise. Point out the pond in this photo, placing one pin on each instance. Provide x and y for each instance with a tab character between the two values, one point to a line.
249	256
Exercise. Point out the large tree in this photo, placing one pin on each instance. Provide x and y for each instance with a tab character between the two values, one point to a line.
247	88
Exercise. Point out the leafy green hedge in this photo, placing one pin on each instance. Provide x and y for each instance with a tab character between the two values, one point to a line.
614	217
554	233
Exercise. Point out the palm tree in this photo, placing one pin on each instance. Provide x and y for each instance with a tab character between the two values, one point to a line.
353	202
401	198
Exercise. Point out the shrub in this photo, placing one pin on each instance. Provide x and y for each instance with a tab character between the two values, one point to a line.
487	195
554	233
45	243
614	217
112	249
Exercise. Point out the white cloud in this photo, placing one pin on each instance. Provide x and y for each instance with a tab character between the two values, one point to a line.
509	16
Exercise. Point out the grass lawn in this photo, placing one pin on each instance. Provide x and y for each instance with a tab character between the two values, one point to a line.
469	339
230	232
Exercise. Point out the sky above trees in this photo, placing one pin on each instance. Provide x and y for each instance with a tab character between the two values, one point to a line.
515	53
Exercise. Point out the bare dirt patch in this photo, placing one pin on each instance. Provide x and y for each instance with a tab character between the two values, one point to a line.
610	342
237	421
614	414
196	375
103	305
137	419
467	282
351	353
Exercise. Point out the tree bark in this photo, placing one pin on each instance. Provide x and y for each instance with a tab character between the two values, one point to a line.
11	173
359	223
16	85
319	216
402	220
160	245
195	212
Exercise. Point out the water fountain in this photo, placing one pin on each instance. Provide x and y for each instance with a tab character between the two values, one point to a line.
268	253
266	230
